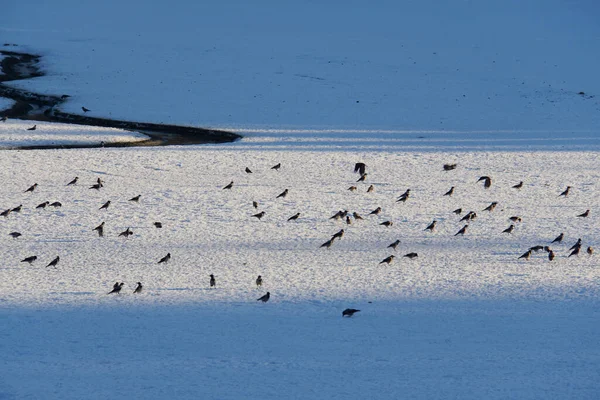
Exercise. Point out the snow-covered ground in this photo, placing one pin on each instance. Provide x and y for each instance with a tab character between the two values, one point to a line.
15	133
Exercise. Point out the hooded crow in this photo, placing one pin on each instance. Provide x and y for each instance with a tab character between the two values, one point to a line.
509	229
352	188
462	230
294	217
43	205
491	206
100	229
394	245
577	244
585	214
54	262
431	226
96	186
328	243
356	215
282	194
15	234
566	192
590	250
276	167
516	219
550	255
348	220
138	288
136	198
32	128
348	312
449	167
487	181
388	259
360	168
128	232
229	186
449	192
518	185
117	288
32	188
74	181
559	238
29	259
105	206
387	223
56	204
375	211
259	281
411	255
362	177
158	224
213	282
526	255
370	189
5	213
264	298
248	171
338	234
575	251
259	215
165	259
458	211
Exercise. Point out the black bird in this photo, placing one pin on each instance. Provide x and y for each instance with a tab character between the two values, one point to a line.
15	234
17	209
276	167
462	230
348	312
56	204
352	188
32	128
100	229
547	248
138	288
550	255
360	168
105	205
338	234
370	189
559	238
509	229
259	215
387	223
388	260
518	185
458	211
575	251
449	192
136	198
590	250
117	288
100	182
85	109
328	243
128	232
516	219
32	188
411	255
255	204
54	262
282	194
375	211
294	217
213	282
404	196
264	298
74	181
431	226
491	206
43	205
449	167
362	177
536	248
356	215
259	281
29	259
577	244
229	186
165	259
348	220
5	213
96	186
585	214
248	171
158	224
487	181
471	215
338	215
526	255
394	245
566	192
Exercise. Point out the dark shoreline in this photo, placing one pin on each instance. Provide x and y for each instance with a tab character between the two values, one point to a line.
38	107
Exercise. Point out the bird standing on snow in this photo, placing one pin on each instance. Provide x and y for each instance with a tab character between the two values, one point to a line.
585	214
264	298
276	167
136	198
43	205
138	288
491	206
387	223
509	229
158	225
213	282
526	255
294	217
338	234
29	259
248	171
74	181
54	262
229	186
449	167
165	259
105	206
375	211
590	250
518	185
370	189
100	229
15	234
394	245
387	260
362	177
33	128
85	109
328	243
566	192
360	168
282	194
259	281
449	192
32	188
487	181
431	226
462	231
348	312
117	287
128	232
559	238
259	215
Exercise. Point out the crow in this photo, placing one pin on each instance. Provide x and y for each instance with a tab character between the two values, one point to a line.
585	214
328	243
105	206
387	223
394	245
54	262
575	251
340	214
338	235
449	167
516	219
128	232
375	211
348	220
471	215
356	215
462	230
449	192
431	226
259	281
360	168
388	260
100	182
404	196
96	186
458	211
509	229
491	206
32	188
85	109
29	259
165	259
264	298
550	255
362	177
370	189
566	192
158	224
259	215
213	282
117	288
138	288
348	312
411	255
352	188
15	234
559	238
33	128
229	186
577	244
74	181
100	229
487	181
526	255
136	198
17	209
248	171
518	185
5	213
56	204
294	217
590	250
276	167
282	194
43	205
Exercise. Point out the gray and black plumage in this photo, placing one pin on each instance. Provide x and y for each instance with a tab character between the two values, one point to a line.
487	181
158	225
458	211
228	186
105	206
54	262
526	255
375	211
165	259
213	282
328	243
518	185
33	128
575	251
356	216
394	245
136	198
338	234
56	204
491	206
348	312
509	229
138	288
470	216
74	181
462	230
264	298
577	244
29	259
516	219
565	193
117	288
294	217
370	189
449	167
282	194
276	166
259	215
5	213
388	259
360	168
32	188
404	196
100	182
431	226
43	205
559	238
100	229
128	232
585	214
387	223
362	178
449	192
352	188
15	234
17	209
248	170
411	255
96	186
259	281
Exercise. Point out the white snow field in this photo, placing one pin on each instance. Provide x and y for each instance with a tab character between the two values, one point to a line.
15	134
